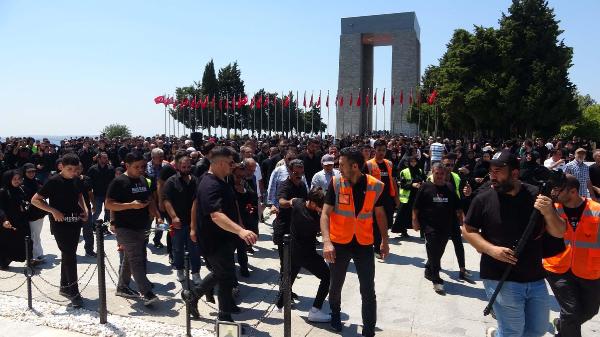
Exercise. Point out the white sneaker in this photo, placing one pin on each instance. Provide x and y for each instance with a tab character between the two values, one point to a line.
318	316
439	288
196	278
491	332
180	275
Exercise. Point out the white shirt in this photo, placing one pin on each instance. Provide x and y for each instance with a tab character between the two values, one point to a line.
549	162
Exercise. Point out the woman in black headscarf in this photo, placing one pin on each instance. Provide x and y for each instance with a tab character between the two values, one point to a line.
35	216
13	217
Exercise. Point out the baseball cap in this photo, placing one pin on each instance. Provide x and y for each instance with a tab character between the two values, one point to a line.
504	158
580	150
327	159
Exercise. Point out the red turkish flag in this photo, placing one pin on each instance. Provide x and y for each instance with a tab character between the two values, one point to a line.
159	99
311	101
383	98
327	101
286	102
186	102
375	98
267	100
401	97
350	103
432	97
410	98
171	100
358	99
304	101
205	102
252	104
318	105
220	104
341	102
259	102
175	104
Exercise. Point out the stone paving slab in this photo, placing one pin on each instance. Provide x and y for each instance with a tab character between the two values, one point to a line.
407	304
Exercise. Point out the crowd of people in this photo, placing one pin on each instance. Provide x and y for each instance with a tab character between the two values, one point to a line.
349	193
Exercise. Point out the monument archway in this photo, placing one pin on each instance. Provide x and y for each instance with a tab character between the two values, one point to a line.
359	36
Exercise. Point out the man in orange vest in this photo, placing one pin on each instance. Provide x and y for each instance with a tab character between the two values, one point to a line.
574	274
382	170
347	229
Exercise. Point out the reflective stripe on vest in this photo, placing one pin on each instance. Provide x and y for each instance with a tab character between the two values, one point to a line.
405	193
582	253
344	224
376	172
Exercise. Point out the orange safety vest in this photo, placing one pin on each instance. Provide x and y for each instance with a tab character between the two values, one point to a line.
376	172
344	224
582	255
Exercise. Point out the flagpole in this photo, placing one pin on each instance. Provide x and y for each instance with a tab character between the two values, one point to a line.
167	103
383	103
328	119
290	114
320	109
297	118
282	114
376	110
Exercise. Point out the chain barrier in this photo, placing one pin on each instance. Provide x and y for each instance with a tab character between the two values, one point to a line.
55	301
9	277
68	285
15	289
65	300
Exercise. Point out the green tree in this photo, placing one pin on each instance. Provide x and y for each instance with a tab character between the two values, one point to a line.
537	90
210	84
116	131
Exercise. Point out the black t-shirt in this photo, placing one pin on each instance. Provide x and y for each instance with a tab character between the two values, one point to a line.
125	189
358	194
385	179
305	225
248	202
437	206
311	165
502	218
166	172
181	194
574	214
63	195
85	186
287	191
100	178
214	195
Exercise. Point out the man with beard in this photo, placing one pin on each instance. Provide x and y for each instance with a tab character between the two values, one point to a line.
495	221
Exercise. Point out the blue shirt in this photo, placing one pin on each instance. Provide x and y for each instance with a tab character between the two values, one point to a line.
322	179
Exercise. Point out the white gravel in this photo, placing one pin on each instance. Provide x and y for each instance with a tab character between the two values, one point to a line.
87	322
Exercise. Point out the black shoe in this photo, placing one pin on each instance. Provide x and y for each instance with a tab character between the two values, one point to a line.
250	250
91	254
336	322
367	333
150	298
76	302
159	245
465	276
244	272
127	292
210	298
194	309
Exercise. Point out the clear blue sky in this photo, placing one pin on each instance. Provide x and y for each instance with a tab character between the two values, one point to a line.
72	67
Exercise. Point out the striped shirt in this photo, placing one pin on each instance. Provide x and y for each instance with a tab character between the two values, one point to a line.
437	151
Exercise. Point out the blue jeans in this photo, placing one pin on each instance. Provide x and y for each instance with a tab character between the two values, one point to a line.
522	309
180	241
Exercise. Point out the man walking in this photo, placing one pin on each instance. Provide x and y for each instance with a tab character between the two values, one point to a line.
347	229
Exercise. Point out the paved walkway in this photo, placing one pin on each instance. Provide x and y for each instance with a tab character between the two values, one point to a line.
407	304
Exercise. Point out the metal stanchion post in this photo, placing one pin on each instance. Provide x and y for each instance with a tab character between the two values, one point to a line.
188	320
100	227
28	271
287	289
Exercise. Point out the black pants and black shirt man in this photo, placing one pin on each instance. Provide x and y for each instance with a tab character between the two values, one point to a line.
217	244
63	194
437	207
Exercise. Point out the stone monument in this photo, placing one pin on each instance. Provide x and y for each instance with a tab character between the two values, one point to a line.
359	35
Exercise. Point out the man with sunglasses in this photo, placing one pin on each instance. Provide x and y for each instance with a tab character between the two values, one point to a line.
215	224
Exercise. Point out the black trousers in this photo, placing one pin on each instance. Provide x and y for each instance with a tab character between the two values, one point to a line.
306	256
388	206
67	239
362	255
222	273
579	300
435	244
459	248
